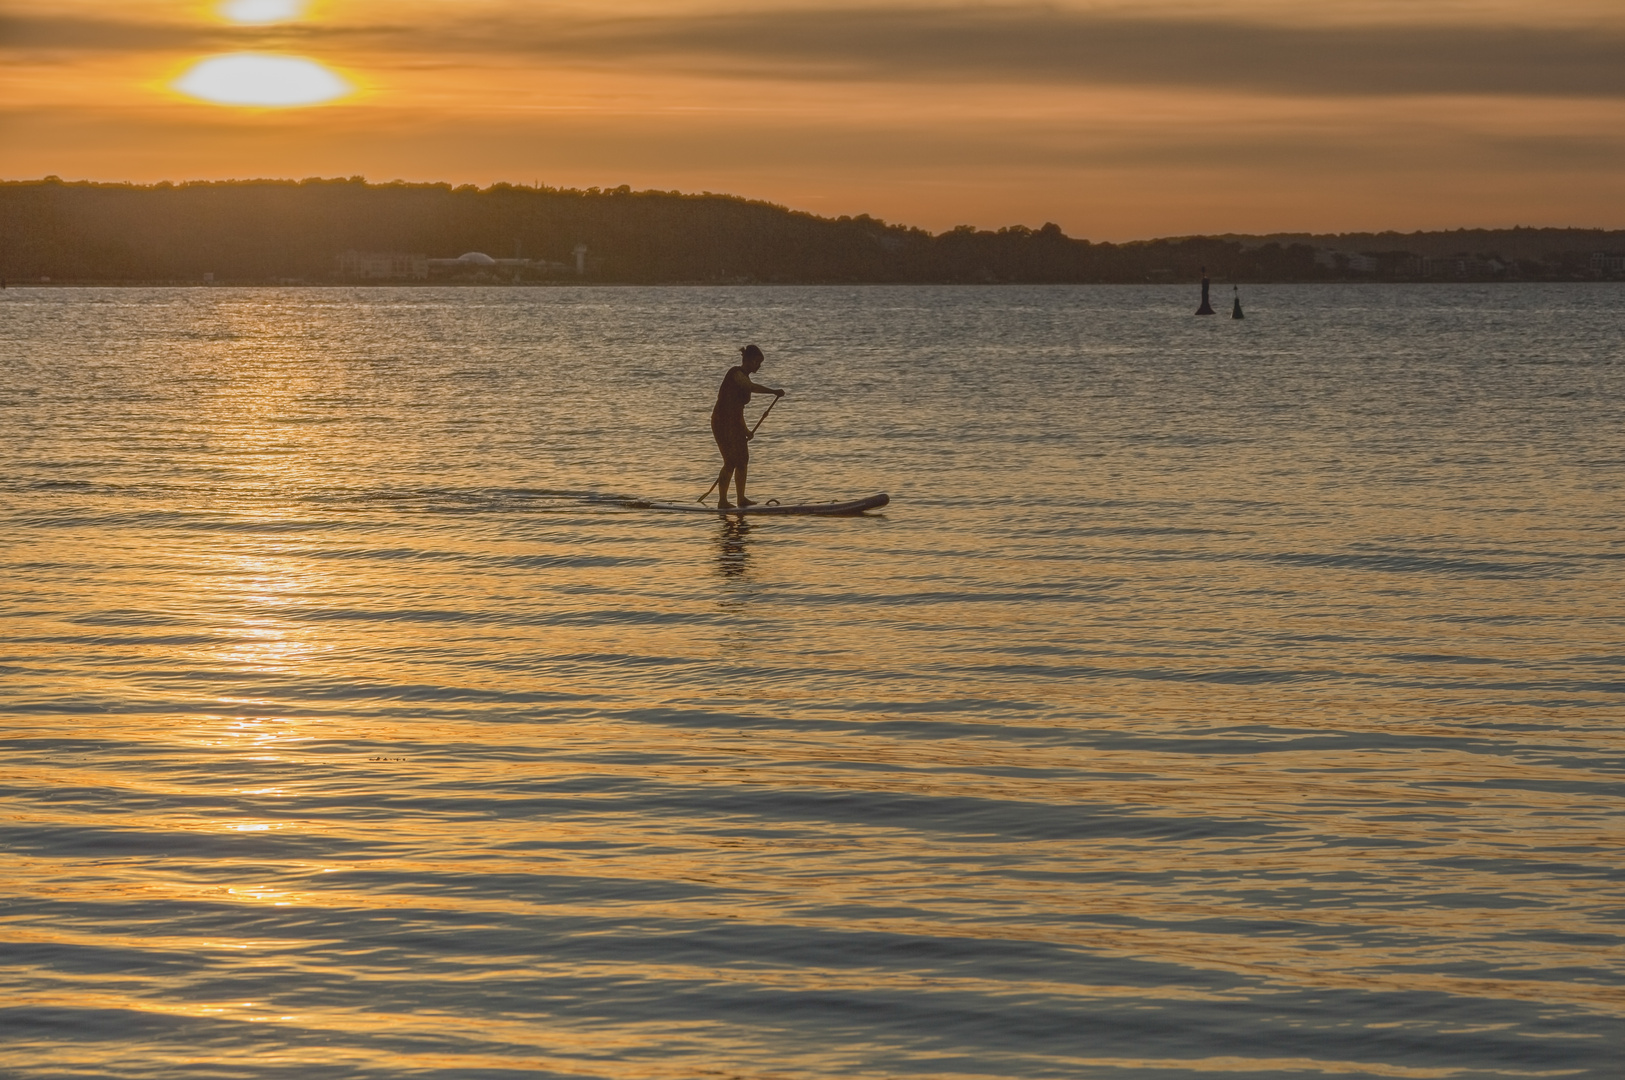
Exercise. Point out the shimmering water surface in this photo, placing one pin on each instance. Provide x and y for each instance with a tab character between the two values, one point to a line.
1214	698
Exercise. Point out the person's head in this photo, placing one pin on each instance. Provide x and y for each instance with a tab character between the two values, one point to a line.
752	357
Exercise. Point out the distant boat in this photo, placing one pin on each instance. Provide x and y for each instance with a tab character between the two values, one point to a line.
1235	310
1206	308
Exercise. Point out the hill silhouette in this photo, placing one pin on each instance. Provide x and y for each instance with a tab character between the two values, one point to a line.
282	230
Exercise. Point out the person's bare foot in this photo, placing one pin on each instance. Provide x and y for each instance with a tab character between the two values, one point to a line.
746	502
724	504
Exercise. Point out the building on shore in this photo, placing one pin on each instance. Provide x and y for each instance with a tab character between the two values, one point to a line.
1458	266
383	266
477	264
1346	261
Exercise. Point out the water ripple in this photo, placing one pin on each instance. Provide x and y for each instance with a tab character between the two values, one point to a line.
1213	699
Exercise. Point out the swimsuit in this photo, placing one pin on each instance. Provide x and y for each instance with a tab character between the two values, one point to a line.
728	420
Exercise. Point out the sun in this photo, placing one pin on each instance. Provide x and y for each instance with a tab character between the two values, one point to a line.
262	11
262	80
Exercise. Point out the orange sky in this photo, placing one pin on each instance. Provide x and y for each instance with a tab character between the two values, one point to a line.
1115	119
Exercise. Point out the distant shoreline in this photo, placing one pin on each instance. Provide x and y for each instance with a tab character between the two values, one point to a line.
14	286
349	232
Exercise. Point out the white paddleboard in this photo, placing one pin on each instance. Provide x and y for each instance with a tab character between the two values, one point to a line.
830	509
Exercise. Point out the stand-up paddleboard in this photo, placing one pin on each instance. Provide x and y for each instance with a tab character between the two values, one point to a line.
830	509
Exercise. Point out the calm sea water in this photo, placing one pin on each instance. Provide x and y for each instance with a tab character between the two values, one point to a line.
1213	699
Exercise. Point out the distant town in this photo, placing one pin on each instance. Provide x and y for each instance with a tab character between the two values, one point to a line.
348	231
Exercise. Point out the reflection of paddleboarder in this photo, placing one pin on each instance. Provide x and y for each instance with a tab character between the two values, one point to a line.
728	423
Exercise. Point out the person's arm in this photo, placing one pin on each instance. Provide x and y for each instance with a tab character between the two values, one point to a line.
754	387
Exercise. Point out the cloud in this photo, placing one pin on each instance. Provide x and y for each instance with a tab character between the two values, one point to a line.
1008	45
29	33
1050	46
1110	182
1273	152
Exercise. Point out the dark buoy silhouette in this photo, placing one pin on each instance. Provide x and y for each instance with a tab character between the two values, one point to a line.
1235	311
1206	308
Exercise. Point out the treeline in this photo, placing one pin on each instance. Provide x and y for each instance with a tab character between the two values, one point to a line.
267	231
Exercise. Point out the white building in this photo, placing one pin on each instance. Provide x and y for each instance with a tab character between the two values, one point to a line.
476	262
1462	266
383	265
1346	261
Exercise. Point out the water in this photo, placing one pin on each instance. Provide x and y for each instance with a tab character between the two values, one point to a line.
1214	698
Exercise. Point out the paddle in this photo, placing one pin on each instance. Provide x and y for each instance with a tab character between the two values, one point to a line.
754	426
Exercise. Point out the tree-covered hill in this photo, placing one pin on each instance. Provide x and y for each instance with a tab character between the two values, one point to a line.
275	230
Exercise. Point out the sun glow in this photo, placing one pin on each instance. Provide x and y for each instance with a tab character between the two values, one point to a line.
258	79
262	11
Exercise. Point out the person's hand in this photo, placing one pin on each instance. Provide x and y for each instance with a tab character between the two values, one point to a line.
749	435
778	393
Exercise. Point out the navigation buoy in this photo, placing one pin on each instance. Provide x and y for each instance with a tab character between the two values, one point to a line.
1206	308
1235	311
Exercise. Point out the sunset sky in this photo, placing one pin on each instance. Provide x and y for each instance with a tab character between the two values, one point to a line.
1116	120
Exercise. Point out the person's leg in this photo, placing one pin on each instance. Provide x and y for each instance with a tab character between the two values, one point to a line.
722	432
723	479
735	456
742	466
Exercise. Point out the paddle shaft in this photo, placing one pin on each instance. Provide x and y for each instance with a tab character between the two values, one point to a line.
765	411
753	428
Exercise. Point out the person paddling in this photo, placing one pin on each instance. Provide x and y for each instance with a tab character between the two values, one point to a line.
728	424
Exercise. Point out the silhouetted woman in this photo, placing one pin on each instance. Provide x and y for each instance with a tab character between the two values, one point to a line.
729	427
